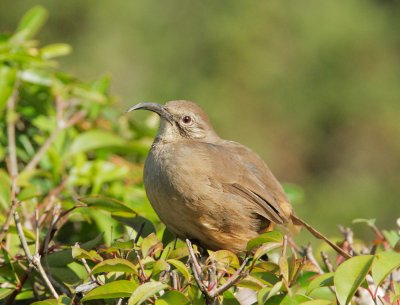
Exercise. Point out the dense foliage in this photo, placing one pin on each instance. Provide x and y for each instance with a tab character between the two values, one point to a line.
77	227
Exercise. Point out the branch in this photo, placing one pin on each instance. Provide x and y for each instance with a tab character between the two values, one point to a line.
239	274
13	206
310	256
88	270
35	259
36	232
193	257
196	268
327	262
348	236
211	296
18	289
12	150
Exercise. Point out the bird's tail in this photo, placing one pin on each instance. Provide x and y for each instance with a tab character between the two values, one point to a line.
317	234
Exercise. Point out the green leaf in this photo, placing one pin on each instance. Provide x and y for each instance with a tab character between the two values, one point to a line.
55	50
37	77
225	259
323	280
64	257
70	274
263	295
318	302
139	224
30	24
78	252
124	244
88	94
46	302
264	249
64	300
95	139
229	299
145	291
369	222
251	282
266	293
181	268
266	267
195	295
267	237
112	290
178	253
150	244
113	206
159	266
384	263
284	268
115	265
392	237
173	297
8	77
288	299
4	292
350	275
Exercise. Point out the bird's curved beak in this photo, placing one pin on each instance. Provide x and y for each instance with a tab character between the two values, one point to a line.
157	108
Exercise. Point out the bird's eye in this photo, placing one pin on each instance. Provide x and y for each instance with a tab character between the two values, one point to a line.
186	119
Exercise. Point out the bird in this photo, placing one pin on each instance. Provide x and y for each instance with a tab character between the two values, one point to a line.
215	192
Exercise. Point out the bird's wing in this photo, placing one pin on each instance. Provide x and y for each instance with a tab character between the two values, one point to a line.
244	173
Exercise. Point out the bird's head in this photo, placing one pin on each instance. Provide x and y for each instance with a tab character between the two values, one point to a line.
181	120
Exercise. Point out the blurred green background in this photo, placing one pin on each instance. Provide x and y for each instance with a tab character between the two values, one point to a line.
314	87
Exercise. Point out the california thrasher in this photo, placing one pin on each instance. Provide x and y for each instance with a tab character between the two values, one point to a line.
216	192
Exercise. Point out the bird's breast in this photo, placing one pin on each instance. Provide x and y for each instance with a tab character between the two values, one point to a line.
172	171
173	189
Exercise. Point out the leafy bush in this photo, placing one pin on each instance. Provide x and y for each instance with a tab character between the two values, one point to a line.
77	227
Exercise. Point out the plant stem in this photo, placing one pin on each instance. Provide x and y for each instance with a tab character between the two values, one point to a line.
34	260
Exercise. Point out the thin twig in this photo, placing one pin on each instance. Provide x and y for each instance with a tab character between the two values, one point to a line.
12	147
284	245
17	289
35	259
144	279
295	248
13	206
327	262
296	275
237	276
348	236
211	296
37	247
174	278
54	218
88	270
310	256
139	233
193	256
196	268
212	276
